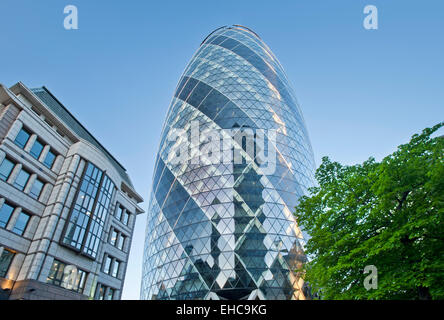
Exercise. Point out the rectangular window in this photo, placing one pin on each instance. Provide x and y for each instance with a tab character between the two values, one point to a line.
6	169
49	159
110	295
67	276
116	267
36	189
21	224
21	180
5	262
113	238
119	212
126	217
107	266
36	149
22	138
121	242
5	214
100	292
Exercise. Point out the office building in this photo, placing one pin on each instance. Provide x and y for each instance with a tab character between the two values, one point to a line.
67	206
226	230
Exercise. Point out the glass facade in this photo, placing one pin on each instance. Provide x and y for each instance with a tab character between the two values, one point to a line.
5	169
5	214
36	149
36	189
67	276
49	159
22	138
5	262
21	223
225	230
88	215
22	179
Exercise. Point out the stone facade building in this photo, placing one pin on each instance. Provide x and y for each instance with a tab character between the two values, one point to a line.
67	206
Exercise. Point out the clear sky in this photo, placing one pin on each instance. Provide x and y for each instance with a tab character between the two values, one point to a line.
362	92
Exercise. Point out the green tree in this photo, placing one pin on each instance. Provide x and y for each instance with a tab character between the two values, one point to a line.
389	214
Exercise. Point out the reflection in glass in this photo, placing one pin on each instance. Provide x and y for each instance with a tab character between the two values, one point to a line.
5	169
5	262
226	230
5	214
67	276
21	180
22	138
88	215
49	159
36	189
21	223
36	149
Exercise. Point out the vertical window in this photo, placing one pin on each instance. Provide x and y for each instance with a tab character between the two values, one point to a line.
100	292
126	217
107	266
80	280
36	189
5	213
49	159
121	242
113	238
5	169
103	201
36	149
88	215
21	180
5	262
21	224
110	295
22	138
83	207
67	276
119	212
116	267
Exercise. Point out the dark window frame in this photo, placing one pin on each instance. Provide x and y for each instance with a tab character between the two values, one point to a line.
33	195
51	164
22	231
122	238
19	144
113	292
31	152
115	272
5	271
10	215
119	211
107	268
111	268
101	292
19	186
111	241
59	280
3	177
101	213
126	218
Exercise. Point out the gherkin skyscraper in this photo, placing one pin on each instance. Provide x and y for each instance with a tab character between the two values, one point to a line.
225	229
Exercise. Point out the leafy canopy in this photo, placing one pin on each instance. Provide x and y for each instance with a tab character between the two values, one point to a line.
388	214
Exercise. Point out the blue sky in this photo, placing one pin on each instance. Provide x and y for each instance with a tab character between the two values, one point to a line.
363	92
